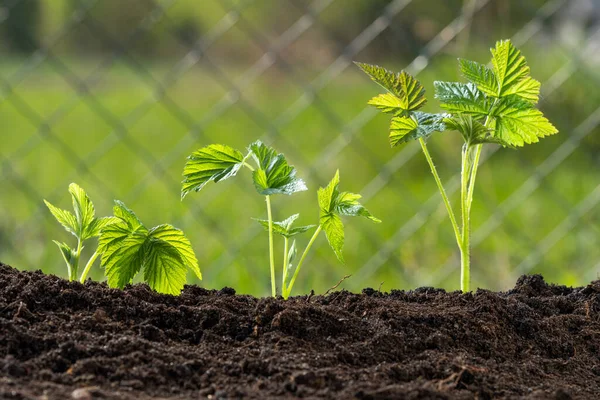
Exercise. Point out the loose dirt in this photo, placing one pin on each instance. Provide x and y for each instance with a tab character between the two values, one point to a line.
64	340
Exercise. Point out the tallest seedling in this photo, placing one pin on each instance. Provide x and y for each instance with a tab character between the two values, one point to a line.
496	106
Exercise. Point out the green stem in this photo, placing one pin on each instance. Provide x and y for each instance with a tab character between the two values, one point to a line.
308	246
75	263
88	266
473	175
245	164
285	264
465	262
440	186
271	250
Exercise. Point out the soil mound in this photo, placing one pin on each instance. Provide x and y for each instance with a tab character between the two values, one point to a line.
62	340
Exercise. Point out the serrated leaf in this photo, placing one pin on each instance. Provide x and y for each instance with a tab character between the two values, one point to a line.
65	218
462	98
100	223
292	253
481	76
122	253
214	163
348	205
163	252
126	215
334	230
284	228
84	210
177	239
472	131
408	90
387	103
164	268
332	204
273	175
517	123
67	253
527	88
418	125
509	66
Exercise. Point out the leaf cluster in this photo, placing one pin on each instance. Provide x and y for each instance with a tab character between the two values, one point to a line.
497	105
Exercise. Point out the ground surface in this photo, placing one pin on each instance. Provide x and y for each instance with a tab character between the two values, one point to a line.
65	340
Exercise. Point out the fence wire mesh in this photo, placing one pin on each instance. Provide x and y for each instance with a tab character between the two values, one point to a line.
115	97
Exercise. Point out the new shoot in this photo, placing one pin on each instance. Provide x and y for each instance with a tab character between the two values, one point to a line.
272	175
496	106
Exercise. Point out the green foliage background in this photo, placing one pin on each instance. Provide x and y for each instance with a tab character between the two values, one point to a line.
56	130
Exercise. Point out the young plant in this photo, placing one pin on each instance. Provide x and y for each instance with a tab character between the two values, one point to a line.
272	175
164	253
496	106
83	225
126	246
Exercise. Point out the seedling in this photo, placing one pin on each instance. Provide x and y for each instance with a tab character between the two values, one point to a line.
272	175
126	246
496	106
164	253
83	225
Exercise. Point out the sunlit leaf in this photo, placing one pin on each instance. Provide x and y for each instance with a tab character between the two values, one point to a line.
408	91
462	98
284	228
332	204
418	125
273	175
214	163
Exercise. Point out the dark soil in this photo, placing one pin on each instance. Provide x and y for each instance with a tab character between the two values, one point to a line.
62	340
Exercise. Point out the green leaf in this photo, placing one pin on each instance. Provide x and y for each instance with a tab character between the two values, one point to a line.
292	253
332	204
67	253
122	252
388	103
177	239
126	215
462	98
334	230
164	268
163	252
100	223
274	175
348	205
472	131
215	163
509	67
284	228
409	92
418	125
480	75
84	211
65	218
527	89
516	122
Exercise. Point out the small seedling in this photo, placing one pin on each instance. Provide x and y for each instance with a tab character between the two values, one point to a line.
496	106
83	225
272	175
164	253
126	246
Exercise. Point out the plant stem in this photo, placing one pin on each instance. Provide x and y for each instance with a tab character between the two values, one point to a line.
308	246
285	265
440	186
88	266
271	250
473	175
465	262
75	262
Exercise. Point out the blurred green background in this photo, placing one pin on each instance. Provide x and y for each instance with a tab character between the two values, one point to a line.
114	95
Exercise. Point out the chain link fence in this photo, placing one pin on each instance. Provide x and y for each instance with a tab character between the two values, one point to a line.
115	97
